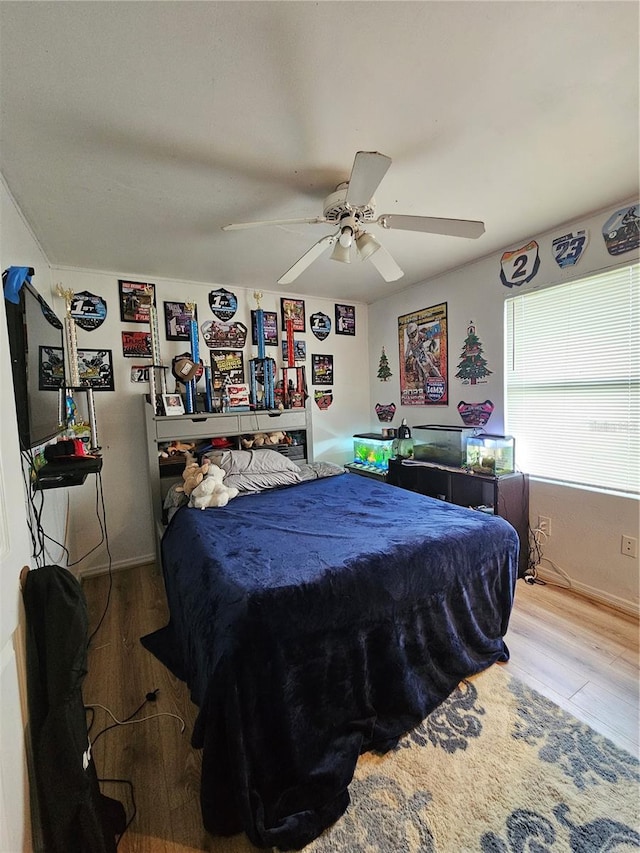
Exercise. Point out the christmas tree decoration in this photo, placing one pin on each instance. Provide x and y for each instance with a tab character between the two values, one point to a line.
472	367
384	371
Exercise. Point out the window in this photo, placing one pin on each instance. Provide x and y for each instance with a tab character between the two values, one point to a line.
573	376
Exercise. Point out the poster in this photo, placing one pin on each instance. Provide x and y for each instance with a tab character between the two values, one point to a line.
229	365
95	368
422	341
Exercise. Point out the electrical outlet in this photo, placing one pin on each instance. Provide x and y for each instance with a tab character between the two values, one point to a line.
544	525
629	546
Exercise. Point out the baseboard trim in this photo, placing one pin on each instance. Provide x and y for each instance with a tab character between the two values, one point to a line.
629	607
116	566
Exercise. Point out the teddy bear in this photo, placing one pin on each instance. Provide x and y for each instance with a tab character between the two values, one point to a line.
193	474
212	490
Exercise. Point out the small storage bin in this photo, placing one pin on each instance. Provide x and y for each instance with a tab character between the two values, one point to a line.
442	445
491	454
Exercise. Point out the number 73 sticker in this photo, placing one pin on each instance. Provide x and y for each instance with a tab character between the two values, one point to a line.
521	265
568	249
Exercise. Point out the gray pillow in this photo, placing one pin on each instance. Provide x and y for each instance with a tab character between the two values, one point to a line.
318	470
255	470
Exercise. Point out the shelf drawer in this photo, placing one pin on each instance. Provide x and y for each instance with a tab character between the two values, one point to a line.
263	422
179	427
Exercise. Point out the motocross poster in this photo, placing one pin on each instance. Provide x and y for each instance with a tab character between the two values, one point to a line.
422	340
96	369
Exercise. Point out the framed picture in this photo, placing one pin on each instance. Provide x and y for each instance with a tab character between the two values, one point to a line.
172	404
299	350
293	308
177	321
136	344
95	368
345	319
136	297
270	329
50	368
322	369
422	342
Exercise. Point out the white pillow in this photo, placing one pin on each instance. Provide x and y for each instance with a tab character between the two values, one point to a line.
255	470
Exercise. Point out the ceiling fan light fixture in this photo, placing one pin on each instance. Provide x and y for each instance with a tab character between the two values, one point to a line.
341	253
366	245
346	237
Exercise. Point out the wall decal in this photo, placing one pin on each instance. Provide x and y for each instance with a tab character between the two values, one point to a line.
568	249
229	335
320	325
345	320
223	304
385	412
621	231
95	368
475	414
136	344
422	339
135	298
139	373
88	310
384	371
520	265
472	368
323	398
322	369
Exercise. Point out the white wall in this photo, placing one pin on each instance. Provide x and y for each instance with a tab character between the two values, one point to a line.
120	413
17	248
586	525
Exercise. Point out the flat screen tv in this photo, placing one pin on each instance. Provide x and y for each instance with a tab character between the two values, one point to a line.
36	348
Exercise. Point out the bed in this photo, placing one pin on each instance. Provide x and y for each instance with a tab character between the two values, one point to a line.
314	622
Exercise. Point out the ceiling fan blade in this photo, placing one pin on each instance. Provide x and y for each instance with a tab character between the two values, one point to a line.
238	226
386	266
433	225
308	258
369	168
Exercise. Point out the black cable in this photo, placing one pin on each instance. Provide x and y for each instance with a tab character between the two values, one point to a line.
150	697
100	491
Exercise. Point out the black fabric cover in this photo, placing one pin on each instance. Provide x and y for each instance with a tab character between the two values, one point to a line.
75	816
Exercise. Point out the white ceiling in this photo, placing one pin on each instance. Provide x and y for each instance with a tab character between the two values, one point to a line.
132	131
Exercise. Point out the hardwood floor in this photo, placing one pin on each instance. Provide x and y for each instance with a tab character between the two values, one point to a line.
584	656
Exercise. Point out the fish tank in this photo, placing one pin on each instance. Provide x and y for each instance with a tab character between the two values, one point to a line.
491	454
442	445
372	452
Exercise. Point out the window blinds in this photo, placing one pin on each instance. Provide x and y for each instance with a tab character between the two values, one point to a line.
573	380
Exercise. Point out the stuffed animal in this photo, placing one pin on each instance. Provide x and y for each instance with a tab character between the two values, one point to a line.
193	474
276	438
212	490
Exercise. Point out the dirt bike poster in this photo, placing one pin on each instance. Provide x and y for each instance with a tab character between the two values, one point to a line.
423	345
50	368
95	368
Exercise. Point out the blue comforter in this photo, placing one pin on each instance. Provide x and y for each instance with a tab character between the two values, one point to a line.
316	622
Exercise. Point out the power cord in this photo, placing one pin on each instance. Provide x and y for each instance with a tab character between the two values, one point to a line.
150	697
536	557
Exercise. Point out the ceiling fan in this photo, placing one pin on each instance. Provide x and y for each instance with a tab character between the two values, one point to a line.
351	207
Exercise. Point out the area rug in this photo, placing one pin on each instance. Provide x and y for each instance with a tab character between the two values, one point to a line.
497	768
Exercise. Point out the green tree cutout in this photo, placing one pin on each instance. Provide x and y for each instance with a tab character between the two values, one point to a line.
472	366
384	371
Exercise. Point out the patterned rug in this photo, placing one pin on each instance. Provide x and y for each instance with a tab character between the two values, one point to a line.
497	768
